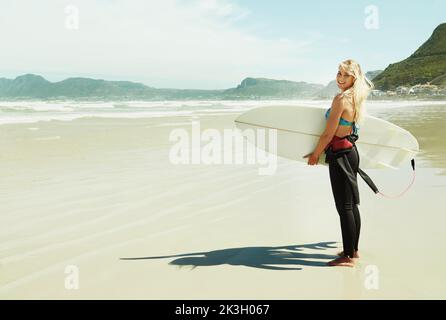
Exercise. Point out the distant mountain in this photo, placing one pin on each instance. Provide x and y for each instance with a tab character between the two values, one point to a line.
268	88
28	84
373	74
31	86
332	89
426	64
73	87
34	86
329	91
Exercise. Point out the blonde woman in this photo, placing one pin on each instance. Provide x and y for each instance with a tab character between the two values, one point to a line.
347	110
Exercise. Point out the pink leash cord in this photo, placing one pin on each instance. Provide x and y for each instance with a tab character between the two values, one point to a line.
408	187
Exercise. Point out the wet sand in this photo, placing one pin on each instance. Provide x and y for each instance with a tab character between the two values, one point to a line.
100	196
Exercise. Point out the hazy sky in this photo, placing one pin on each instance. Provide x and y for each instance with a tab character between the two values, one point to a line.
208	43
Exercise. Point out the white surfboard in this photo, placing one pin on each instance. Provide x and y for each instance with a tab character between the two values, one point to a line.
381	144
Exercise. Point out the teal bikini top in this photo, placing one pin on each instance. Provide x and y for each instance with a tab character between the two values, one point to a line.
343	122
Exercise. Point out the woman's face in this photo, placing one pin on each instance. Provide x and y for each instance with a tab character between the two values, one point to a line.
344	80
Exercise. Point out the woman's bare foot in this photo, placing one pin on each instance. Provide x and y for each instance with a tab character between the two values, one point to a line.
342	262
355	254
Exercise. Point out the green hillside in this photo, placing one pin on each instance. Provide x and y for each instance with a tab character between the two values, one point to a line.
427	63
440	81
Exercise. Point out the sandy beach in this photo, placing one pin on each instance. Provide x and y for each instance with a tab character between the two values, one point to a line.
99	196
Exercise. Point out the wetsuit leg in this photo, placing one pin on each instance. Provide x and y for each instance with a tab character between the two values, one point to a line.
357	217
355	207
345	204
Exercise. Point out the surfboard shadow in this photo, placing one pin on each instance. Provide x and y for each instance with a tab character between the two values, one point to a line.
273	258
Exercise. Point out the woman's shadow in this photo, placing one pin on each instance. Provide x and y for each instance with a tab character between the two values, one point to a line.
274	258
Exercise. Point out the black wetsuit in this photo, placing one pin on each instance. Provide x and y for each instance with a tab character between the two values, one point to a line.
345	201
344	168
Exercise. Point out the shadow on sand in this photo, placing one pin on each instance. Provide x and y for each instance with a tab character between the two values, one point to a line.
273	258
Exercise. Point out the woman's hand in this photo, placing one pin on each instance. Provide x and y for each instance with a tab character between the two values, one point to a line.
313	159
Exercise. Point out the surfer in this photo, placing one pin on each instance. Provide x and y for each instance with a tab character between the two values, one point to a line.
338	142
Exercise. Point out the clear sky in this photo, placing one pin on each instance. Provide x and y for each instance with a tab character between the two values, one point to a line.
209	44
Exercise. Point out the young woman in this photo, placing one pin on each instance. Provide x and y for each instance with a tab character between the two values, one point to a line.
346	112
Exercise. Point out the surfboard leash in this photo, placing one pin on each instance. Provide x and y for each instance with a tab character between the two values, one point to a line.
412	162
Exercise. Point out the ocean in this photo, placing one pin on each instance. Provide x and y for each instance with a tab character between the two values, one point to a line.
36	111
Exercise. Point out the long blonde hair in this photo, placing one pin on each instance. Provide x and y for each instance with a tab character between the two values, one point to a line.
360	89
